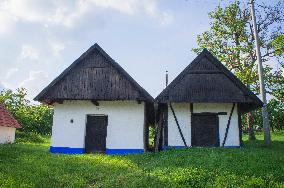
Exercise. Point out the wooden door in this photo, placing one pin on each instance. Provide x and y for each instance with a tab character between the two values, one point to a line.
205	130
96	133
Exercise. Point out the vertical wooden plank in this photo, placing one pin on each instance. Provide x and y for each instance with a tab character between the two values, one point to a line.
240	125
166	133
146	128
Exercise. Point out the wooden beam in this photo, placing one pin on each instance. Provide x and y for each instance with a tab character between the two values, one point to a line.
95	102
228	125
222	113
179	129
191	108
240	125
146	128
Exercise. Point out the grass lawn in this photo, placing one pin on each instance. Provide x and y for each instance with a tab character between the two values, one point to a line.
31	165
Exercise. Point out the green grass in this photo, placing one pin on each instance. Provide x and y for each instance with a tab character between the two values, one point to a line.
31	165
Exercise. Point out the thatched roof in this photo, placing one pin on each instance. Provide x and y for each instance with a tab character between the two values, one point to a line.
93	76
207	80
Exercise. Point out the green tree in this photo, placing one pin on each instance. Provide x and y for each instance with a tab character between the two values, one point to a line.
231	39
276	115
276	82
33	118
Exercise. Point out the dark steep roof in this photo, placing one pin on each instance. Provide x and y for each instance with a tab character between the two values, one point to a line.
207	80
93	76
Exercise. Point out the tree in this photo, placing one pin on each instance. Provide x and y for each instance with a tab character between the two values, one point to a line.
276	115
33	118
231	39
276	81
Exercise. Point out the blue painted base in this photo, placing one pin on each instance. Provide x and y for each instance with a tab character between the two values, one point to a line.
123	151
66	150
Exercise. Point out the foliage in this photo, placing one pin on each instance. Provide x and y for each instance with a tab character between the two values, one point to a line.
276	115
151	136
231	39
31	137
33	118
278	43
31	165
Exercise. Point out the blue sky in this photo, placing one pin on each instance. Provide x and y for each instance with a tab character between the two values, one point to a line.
39	38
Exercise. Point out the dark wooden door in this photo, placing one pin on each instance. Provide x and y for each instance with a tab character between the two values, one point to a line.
96	133
205	130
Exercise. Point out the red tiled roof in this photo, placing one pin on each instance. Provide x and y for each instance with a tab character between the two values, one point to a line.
7	120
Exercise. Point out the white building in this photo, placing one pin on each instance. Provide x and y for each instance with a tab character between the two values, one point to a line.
98	107
203	105
8	126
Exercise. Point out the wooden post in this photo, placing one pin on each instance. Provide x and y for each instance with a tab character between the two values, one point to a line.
265	118
167	78
159	126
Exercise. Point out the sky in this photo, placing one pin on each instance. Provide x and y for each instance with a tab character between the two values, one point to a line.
39	38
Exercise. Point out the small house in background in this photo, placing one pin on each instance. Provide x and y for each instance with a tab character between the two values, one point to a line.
8	126
203	105
98	107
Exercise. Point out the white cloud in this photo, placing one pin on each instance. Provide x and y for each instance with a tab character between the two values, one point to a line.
149	7
29	52
11	72
6	22
34	40
126	6
31	83
56	47
1	87
28	10
55	12
68	15
166	18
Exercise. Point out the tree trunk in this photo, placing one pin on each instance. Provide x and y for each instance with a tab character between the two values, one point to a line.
250	126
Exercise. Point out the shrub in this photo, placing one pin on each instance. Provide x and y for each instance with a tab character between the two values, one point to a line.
33	118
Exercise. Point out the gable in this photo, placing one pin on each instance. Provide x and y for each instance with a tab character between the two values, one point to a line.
206	80
94	76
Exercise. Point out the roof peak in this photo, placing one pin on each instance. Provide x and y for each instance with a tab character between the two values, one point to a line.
206	79
144	95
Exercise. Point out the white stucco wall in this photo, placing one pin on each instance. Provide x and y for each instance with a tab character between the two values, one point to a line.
7	135
124	130
182	111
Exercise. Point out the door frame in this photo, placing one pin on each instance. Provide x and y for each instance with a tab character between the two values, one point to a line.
86	120
217	144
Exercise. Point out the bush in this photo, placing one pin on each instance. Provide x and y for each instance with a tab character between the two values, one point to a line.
33	118
29	137
276	116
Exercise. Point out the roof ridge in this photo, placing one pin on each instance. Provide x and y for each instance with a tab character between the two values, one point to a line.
96	46
142	91
162	97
